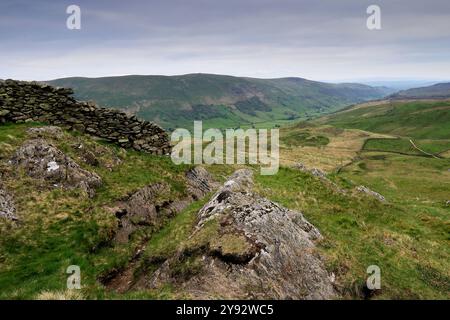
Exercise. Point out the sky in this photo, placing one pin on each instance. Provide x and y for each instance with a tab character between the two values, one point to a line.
324	40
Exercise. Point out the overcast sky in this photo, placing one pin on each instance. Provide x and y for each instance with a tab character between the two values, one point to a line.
315	39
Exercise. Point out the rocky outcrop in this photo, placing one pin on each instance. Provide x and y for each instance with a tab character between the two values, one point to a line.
31	101
249	247
149	205
41	160
314	171
323	177
320	175
52	132
146	207
367	191
200	182
7	208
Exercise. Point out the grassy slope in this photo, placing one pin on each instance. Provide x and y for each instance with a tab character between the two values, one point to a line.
323	147
223	101
417	187
59	228
420	187
416	119
402	145
438	91
407	238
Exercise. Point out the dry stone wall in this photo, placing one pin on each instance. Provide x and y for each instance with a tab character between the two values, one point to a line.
32	101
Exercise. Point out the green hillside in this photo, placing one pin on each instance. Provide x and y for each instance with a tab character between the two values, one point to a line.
415	119
404	146
220	101
437	91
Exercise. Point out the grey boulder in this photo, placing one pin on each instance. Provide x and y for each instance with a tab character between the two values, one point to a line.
279	259
42	160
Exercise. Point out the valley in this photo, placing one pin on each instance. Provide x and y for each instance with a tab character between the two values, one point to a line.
369	185
224	158
219	101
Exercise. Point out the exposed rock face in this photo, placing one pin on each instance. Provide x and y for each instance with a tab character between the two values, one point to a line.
366	190
142	208
41	160
263	251
314	171
46	132
200	182
7	208
31	101
319	174
96	155
149	205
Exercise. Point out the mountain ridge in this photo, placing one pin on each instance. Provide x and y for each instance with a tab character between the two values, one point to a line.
218	100
436	91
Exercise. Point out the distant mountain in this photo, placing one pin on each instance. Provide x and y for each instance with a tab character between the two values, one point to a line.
397	84
218	100
437	91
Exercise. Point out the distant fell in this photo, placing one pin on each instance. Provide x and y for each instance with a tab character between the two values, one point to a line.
219	100
437	91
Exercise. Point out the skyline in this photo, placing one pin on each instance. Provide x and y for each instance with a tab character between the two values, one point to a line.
323	41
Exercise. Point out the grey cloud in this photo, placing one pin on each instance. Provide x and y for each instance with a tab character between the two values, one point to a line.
321	39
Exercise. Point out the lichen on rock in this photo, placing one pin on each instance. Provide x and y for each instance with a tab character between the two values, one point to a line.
7	208
149	205
249	247
41	160
46	132
200	182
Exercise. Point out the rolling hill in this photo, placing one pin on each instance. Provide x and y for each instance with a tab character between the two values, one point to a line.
133	222
416	119
437	91
218	100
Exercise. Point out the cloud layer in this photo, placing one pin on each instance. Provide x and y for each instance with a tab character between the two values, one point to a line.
316	39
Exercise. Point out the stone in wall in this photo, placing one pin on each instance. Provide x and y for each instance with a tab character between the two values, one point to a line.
32	101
